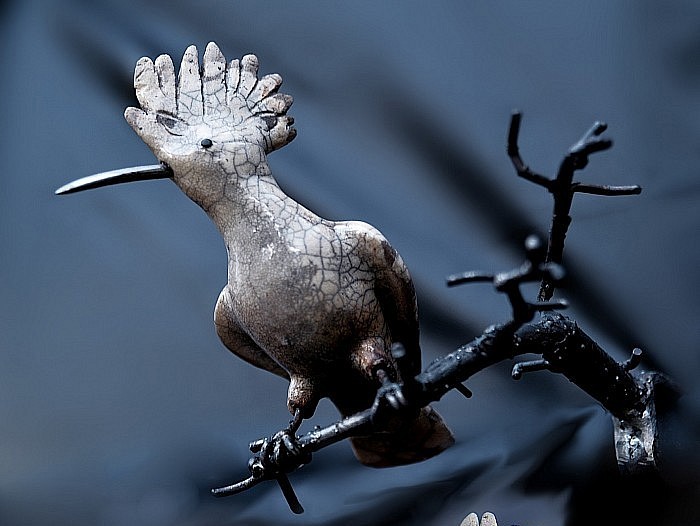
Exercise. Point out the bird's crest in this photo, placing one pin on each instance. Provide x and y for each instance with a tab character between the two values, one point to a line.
221	102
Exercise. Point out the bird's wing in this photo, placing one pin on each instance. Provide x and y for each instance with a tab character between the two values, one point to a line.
238	342
393	287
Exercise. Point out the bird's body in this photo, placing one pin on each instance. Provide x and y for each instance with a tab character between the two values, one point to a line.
304	300
315	301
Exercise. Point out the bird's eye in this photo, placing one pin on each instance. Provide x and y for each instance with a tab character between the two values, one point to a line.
171	124
206	143
270	121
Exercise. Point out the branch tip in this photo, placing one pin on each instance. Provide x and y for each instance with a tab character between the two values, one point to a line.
634	360
513	133
598	128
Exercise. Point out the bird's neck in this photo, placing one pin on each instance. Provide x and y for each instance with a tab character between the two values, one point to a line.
250	209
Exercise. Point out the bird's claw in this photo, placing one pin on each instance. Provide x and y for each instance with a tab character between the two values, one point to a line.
393	394
285	446
273	458
280	453
390	397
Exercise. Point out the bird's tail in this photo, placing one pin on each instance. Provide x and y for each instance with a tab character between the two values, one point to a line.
413	441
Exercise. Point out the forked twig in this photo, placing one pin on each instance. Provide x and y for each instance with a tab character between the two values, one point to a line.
563	187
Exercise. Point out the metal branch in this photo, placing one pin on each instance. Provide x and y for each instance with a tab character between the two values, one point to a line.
523	170
606	190
563	187
565	349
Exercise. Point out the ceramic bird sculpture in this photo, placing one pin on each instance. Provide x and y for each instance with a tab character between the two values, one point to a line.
315	301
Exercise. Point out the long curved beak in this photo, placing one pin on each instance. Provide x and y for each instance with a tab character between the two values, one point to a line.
125	175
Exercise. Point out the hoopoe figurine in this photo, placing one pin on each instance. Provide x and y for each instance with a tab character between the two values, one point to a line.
317	302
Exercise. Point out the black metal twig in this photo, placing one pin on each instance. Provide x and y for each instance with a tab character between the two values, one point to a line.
563	187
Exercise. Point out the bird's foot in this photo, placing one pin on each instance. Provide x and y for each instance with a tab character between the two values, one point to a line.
390	392
274	457
390	403
281	452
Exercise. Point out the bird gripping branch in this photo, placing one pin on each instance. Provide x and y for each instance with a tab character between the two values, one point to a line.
315	301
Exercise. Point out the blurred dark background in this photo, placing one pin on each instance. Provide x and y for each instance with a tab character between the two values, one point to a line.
119	406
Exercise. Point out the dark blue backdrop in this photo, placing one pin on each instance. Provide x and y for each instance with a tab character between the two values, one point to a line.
119	406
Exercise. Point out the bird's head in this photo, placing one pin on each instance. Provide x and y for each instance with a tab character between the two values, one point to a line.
207	126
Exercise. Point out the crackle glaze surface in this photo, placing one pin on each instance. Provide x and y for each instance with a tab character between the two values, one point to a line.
315	301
